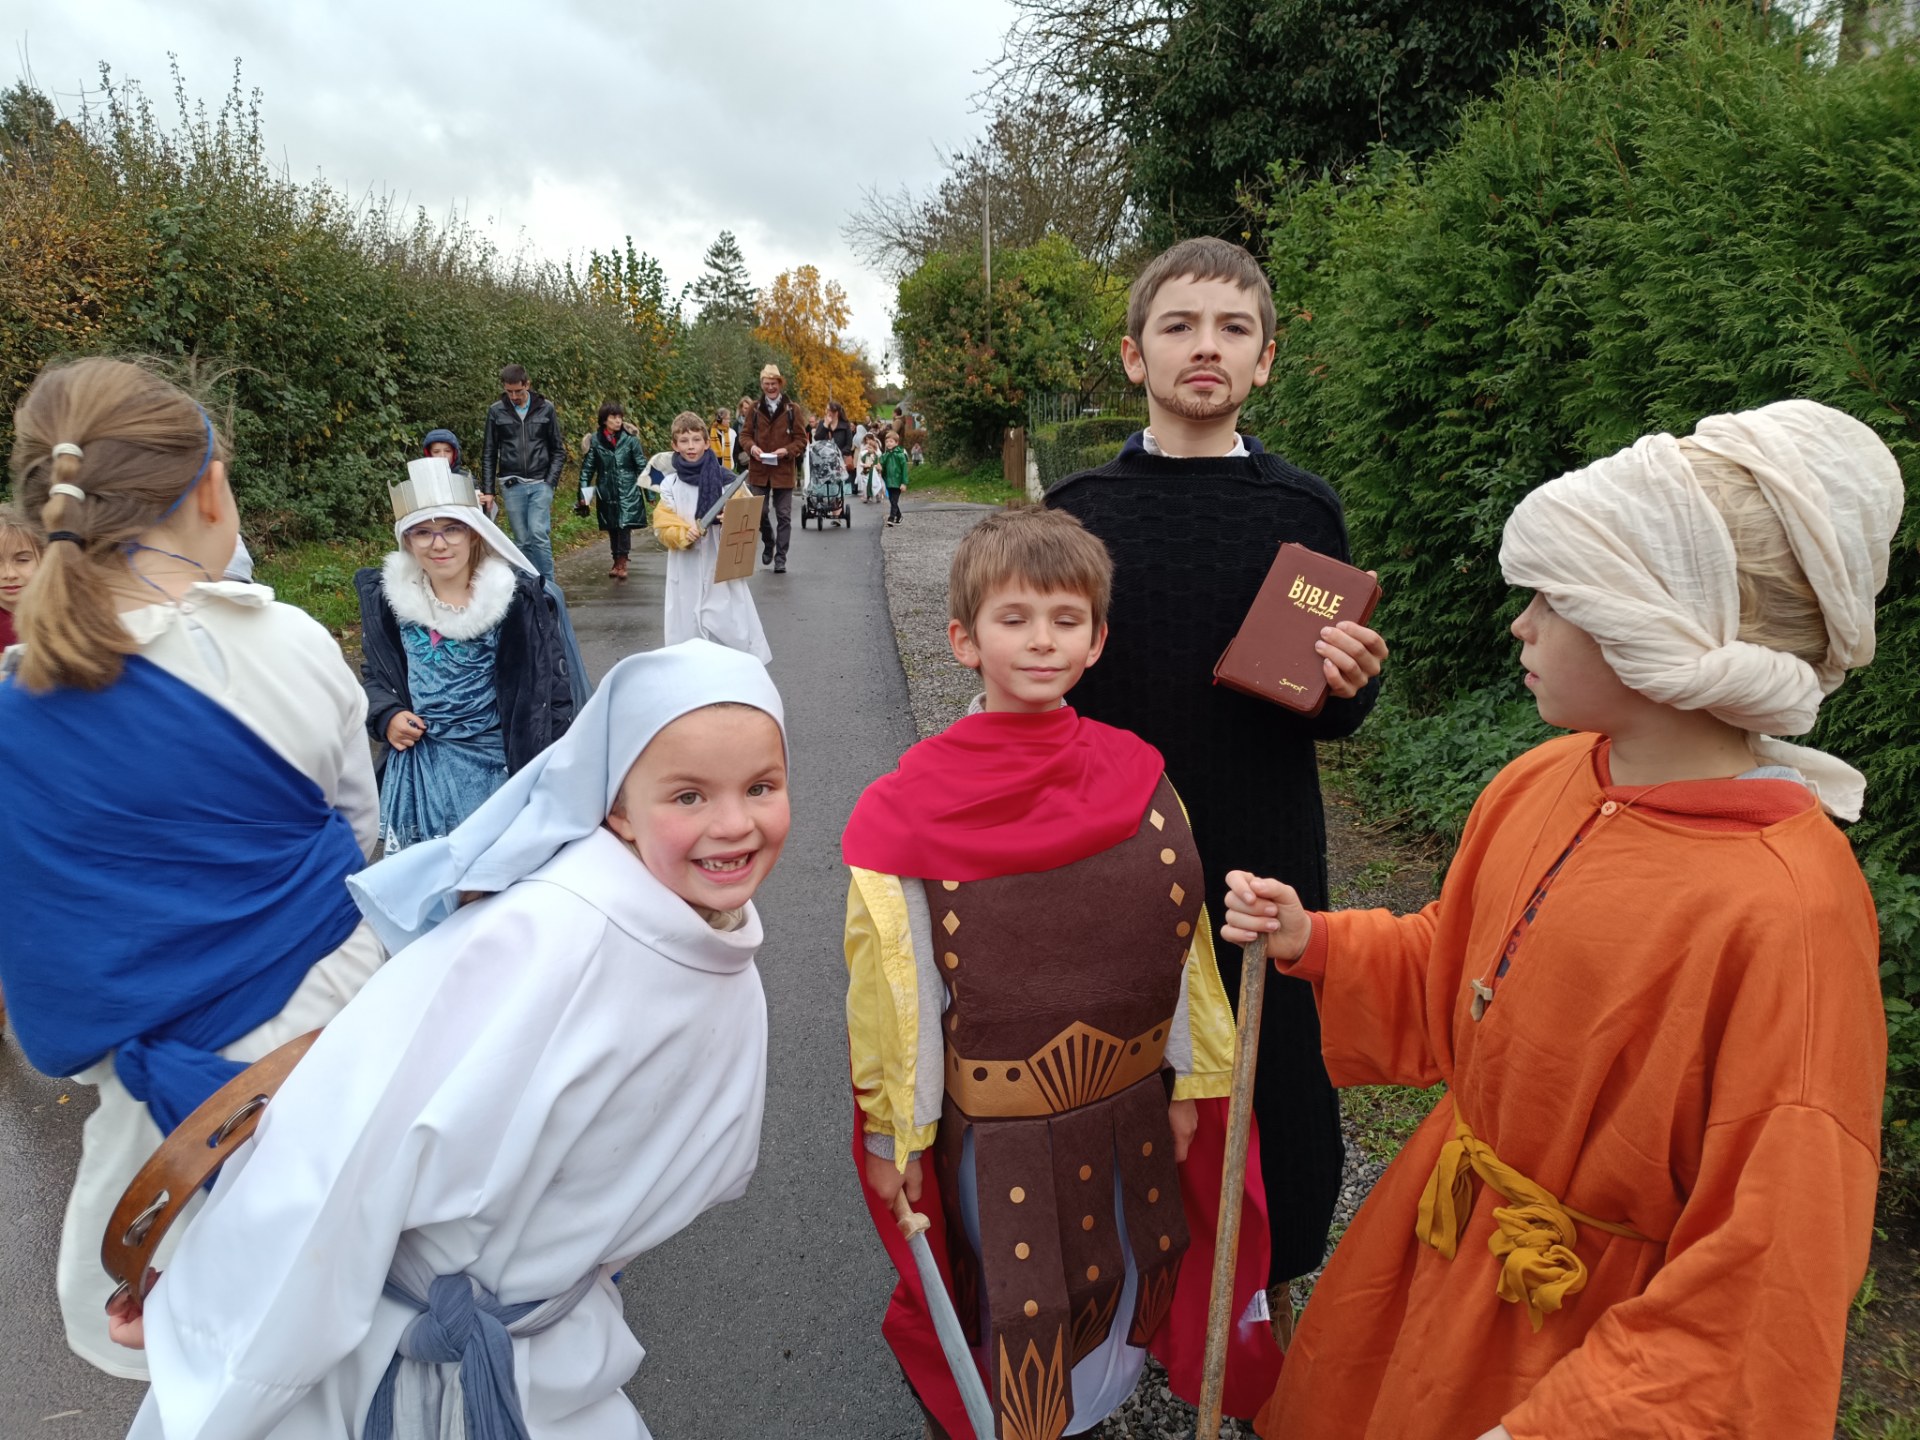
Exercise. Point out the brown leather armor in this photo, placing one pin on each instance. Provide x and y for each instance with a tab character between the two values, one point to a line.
1062	987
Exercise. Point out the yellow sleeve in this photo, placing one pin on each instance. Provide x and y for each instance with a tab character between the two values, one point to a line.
883	1011
1210	1020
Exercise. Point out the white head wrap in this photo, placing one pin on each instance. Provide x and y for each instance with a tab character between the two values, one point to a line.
563	793
1632	551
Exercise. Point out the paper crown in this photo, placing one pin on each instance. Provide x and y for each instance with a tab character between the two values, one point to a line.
430	481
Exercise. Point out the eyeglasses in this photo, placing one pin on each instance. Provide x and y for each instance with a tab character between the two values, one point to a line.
425	535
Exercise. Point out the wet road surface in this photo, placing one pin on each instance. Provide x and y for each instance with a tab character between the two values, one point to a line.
763	1318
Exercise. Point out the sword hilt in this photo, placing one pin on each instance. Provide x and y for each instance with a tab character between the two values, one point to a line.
910	1220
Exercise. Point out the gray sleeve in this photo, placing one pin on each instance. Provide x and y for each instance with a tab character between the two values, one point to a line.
1180	1034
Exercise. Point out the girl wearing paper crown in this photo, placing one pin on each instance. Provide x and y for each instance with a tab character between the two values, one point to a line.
1650	984
543	1084
187	789
464	663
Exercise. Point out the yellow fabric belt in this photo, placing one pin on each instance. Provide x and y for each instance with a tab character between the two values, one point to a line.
1535	1232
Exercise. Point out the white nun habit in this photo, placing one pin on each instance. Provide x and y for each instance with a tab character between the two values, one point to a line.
537	1089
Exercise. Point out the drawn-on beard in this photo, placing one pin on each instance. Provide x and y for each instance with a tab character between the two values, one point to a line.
1201	410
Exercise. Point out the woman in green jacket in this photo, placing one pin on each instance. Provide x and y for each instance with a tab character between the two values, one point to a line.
610	477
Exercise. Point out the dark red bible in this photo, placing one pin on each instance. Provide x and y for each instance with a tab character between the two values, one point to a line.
1273	657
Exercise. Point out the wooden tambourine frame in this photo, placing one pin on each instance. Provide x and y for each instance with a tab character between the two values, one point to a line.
182	1164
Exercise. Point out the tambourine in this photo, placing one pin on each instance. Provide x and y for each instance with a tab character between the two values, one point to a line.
157	1195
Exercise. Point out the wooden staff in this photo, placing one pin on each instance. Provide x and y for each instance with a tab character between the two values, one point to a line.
1226	1243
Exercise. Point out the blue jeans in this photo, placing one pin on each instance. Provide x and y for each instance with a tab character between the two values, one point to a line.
529	506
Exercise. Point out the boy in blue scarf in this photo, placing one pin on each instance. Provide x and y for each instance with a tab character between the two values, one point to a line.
698	606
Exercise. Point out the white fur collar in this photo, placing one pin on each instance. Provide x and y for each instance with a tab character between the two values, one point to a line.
411	597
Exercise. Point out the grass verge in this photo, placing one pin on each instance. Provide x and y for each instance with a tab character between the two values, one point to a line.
1384	1117
982	484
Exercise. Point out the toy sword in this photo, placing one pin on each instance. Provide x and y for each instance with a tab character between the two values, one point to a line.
721	504
953	1343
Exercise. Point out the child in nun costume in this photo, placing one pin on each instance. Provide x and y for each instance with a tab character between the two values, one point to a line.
544	1083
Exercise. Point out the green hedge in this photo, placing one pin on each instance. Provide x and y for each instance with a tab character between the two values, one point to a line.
332	336
1692	217
1067	446
1696	214
1096	430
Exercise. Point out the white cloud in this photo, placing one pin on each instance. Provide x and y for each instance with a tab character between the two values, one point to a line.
572	125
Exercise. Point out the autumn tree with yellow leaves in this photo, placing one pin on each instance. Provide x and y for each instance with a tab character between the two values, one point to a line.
806	316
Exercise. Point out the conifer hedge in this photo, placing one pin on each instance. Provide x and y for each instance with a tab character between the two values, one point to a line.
1698	212
332	335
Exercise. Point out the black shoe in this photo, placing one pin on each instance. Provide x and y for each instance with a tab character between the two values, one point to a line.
766	556
780	567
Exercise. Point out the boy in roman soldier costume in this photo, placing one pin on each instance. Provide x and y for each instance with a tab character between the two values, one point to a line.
1029	1029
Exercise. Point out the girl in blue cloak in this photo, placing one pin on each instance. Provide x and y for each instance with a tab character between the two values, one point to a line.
187	783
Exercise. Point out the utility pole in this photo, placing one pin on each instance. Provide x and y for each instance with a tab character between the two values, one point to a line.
986	250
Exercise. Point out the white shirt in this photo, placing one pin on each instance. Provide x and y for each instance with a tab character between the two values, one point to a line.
1152	447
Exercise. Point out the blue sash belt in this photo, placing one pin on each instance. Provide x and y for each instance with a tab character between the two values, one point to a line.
460	1324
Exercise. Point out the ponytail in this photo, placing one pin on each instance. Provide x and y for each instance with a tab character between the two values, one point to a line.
103	451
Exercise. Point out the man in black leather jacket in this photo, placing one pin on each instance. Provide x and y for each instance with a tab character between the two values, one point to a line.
522	456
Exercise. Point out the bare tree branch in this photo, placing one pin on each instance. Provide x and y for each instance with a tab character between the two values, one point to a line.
1051	169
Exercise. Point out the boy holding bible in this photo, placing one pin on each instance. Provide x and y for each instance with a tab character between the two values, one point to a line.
1194	514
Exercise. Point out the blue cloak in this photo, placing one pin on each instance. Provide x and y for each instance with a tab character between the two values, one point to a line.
170	880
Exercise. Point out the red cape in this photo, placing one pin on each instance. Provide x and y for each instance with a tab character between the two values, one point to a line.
1003	794
1253	1360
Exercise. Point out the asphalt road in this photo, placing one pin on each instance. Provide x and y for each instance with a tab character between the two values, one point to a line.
763	1318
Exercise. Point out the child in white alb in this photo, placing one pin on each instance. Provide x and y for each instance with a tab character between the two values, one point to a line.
564	1066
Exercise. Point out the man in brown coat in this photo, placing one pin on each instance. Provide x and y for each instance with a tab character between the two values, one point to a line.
772	436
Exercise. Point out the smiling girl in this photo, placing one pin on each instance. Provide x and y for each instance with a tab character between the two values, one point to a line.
1649	984
557	1078
19	557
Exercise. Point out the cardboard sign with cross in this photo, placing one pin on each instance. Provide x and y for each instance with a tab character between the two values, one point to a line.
739	536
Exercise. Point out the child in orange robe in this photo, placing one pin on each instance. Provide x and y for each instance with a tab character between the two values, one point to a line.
1649	984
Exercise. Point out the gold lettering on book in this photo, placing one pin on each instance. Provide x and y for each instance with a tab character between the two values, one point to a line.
1315	599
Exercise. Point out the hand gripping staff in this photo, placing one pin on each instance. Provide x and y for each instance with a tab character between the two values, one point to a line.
953	1343
1246	1050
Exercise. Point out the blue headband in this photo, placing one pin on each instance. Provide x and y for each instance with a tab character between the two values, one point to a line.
198	475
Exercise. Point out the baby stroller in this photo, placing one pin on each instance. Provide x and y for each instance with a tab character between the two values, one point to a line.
829	491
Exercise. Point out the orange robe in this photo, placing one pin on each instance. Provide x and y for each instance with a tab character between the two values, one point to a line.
1688	1041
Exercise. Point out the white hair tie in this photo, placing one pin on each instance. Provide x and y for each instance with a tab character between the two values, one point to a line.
67	447
72	492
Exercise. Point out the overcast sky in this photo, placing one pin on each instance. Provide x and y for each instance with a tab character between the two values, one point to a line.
568	124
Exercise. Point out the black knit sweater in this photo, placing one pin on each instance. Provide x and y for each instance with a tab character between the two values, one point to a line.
1191	542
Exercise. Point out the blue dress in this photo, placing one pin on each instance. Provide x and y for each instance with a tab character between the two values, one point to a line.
443	777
